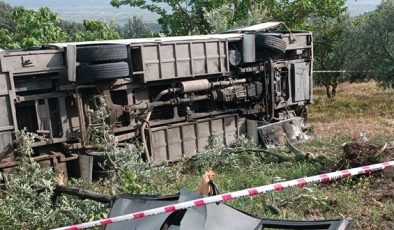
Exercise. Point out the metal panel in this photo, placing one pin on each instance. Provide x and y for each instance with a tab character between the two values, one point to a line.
174	142
230	125
249	48
301	81
184	59
71	56
298	40
32	61
33	84
230	37
6	120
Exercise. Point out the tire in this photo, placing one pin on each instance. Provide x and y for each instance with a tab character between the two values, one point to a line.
101	53
107	71
271	43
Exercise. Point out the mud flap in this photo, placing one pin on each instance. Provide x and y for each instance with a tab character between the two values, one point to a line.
278	133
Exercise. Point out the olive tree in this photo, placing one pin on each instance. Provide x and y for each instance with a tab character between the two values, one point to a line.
330	42
371	46
185	17
32	28
28	201
135	28
38	27
96	30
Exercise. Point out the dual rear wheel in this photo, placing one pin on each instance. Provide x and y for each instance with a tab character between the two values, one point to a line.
102	62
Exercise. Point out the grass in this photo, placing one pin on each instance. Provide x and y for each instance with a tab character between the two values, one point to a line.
362	107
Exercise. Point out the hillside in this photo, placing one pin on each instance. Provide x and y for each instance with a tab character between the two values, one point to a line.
77	10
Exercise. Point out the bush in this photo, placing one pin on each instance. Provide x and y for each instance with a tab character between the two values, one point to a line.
27	203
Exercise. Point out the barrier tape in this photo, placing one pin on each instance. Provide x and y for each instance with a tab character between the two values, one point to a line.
302	182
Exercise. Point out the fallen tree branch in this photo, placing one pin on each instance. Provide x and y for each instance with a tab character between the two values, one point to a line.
281	157
80	193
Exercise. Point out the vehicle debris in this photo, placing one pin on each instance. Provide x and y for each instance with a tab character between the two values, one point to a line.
211	216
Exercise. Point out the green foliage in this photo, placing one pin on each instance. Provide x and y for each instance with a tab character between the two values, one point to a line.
96	30
27	204
29	28
28	200
297	13
185	17
136	28
363	46
100	132
222	18
71	27
220	158
6	39
330	42
371	46
25	141
245	154
152	180
33	28
329	39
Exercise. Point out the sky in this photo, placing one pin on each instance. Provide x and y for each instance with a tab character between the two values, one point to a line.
77	10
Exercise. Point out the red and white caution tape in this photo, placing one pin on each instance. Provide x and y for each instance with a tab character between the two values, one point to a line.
323	178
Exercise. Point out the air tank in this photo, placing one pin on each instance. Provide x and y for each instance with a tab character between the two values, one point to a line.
249	48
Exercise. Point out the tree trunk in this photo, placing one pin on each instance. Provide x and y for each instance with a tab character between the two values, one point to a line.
80	193
328	91
334	89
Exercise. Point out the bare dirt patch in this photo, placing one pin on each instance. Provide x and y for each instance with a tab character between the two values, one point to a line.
354	127
357	154
358	108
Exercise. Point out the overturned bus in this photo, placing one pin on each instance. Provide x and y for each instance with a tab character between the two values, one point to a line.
173	94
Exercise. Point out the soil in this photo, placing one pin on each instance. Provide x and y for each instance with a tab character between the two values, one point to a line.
357	154
381	189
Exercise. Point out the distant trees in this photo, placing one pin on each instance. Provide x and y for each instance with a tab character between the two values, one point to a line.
371	46
331	51
363	47
184	17
178	17
95	30
71	27
135	28
5	16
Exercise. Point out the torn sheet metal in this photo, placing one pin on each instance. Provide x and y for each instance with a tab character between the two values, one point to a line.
209	217
278	133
